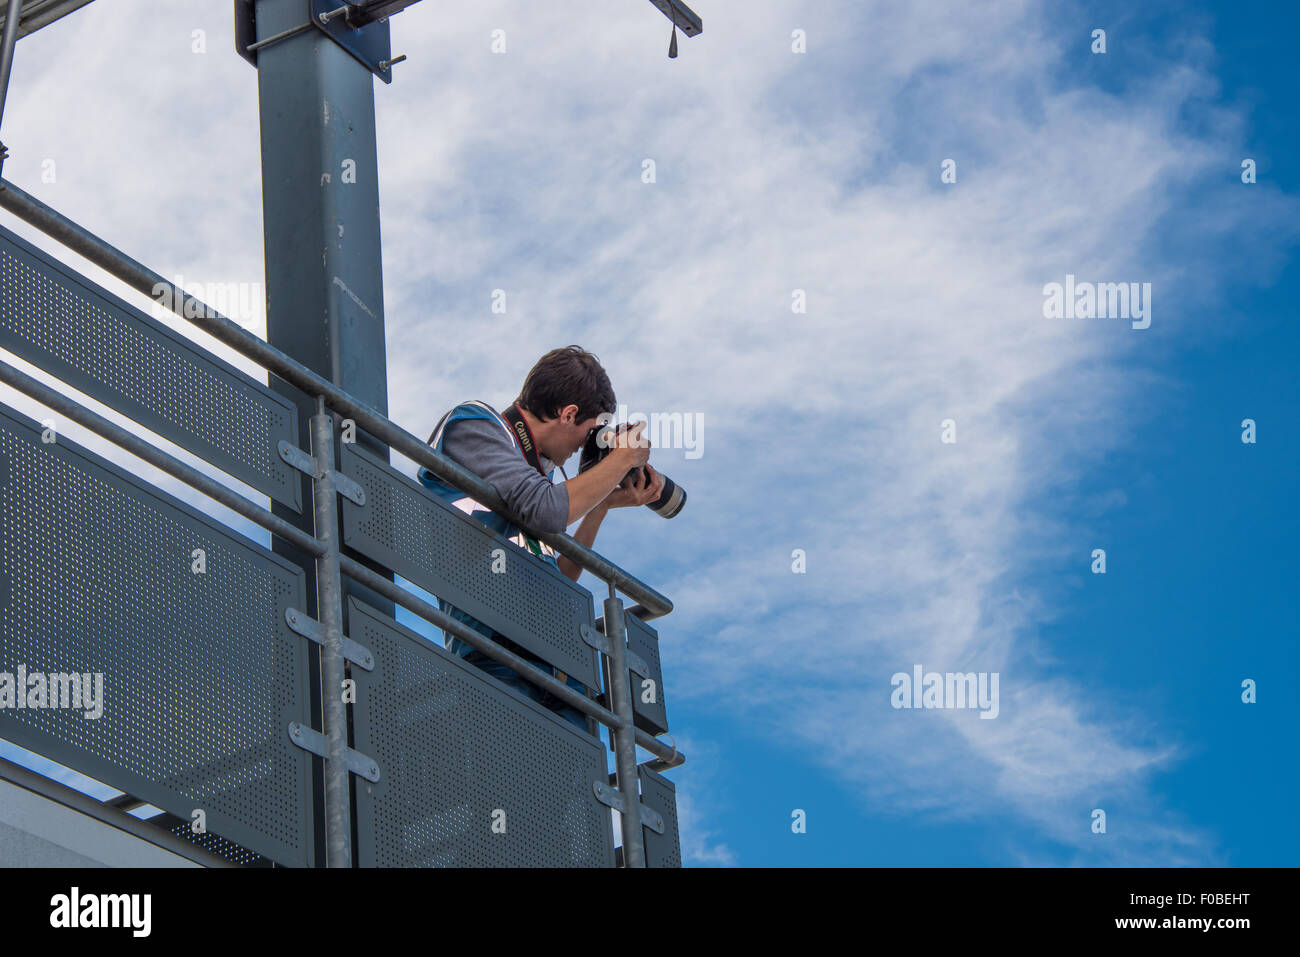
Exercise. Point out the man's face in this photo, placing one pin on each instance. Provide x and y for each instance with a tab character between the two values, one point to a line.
570	434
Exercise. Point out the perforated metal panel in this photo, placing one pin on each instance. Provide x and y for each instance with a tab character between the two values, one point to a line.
458	751
407	528
65	324
651	717
661	850
201	676
212	843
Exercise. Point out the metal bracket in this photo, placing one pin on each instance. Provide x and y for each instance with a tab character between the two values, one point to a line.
635	663
303	624
349	489
298	459
361	12
245	29
594	638
304	463
370	43
315	742
612	798
686	19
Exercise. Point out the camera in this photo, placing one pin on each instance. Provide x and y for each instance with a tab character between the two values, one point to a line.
599	444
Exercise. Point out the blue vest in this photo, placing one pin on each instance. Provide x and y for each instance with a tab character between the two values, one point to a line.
498	523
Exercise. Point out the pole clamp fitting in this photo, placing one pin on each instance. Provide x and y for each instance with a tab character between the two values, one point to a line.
635	663
613	798
311	740
306	464
303	624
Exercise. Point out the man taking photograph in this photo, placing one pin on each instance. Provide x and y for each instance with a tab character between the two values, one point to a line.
517	452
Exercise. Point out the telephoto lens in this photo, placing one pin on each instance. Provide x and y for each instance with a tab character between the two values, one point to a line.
671	500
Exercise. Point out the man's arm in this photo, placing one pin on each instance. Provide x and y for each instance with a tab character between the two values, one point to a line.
588	489
649	489
586	534
483	447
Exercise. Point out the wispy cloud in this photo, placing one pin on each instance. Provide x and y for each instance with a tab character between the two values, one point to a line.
701	802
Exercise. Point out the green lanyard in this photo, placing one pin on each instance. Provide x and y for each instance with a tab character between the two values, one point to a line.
533	544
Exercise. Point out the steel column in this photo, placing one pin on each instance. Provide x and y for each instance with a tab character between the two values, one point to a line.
320	222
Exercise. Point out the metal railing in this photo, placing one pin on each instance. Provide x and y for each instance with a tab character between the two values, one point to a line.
325	545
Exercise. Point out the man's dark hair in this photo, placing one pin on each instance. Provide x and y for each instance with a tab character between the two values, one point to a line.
568	376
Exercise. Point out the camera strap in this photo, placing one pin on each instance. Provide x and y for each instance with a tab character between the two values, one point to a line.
525	436
529	447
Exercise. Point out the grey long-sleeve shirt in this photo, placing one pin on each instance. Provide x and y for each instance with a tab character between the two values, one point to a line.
484	448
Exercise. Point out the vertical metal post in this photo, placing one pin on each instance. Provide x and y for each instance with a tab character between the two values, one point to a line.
12	16
329	603
624	733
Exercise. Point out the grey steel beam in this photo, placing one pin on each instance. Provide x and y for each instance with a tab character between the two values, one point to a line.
324	288
324	294
10	37
682	16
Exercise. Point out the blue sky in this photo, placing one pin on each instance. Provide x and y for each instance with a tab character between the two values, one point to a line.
821	171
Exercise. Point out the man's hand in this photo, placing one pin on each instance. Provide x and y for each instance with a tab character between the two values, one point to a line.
635	491
588	490
640	490
631	446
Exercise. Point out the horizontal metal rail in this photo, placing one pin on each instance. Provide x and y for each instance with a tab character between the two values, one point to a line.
53	399
139	277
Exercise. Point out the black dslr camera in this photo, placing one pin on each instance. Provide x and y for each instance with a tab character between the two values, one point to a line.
599	444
